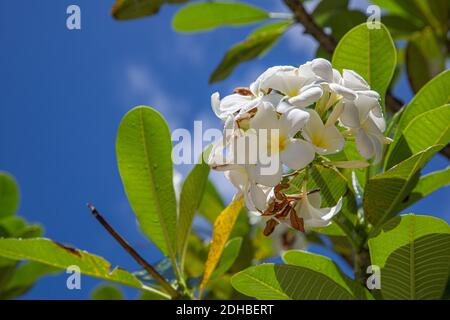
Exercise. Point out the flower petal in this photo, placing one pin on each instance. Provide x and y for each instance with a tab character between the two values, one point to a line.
306	97
256	173
354	81
350	116
293	121
265	117
298	154
258	197
364	144
323	69
332	141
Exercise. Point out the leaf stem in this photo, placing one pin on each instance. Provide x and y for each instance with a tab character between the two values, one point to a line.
133	253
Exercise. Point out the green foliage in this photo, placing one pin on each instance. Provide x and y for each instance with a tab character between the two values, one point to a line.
427	184
209	15
287	282
9	195
59	256
144	157
369	52
427	129
433	95
132	9
424	58
190	199
21	278
256	44
412	252
212	204
107	292
229	256
385	192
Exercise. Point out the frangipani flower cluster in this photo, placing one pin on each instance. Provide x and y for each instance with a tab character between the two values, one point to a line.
282	123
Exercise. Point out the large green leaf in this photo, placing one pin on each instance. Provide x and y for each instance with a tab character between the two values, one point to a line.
256	44
434	94
427	184
144	156
424	58
325	266
369	52
53	254
9	195
212	204
190	198
427	129
209	15
286	282
229	256
132	9
385	192
414	257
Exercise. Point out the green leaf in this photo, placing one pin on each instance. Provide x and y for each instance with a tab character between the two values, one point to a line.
385	192
401	27
9	195
412	252
190	198
143	148
341	22
229	256
133	9
325	266
427	129
212	203
327	8
256	44
434	94
23	278
427	184
209	15
17	227
286	282
53	254
107	292
424	58
404	8
369	52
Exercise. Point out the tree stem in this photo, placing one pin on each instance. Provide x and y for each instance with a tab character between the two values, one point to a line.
136	256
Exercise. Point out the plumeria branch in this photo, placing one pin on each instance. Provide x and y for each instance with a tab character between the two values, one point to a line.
136	256
328	43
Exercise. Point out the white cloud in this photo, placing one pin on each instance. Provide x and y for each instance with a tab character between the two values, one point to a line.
143	87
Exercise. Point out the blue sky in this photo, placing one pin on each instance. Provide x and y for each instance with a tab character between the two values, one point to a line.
63	94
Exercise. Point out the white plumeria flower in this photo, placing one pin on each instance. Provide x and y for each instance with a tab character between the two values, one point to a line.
309	209
255	196
297	84
294	153
331	81
237	105
370	138
326	139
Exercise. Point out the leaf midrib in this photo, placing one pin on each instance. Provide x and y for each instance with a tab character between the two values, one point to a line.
152	186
